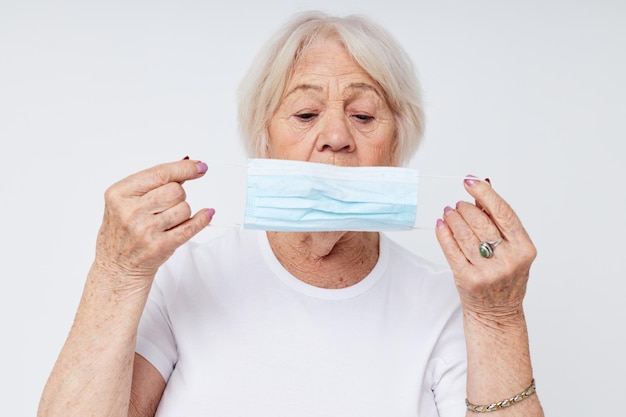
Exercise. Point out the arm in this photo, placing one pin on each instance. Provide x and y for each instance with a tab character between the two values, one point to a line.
147	388
492	291
146	218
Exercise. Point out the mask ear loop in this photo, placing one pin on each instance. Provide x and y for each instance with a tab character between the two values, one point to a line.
444	177
451	177
236	226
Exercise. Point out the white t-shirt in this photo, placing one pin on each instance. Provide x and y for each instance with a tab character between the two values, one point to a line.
235	334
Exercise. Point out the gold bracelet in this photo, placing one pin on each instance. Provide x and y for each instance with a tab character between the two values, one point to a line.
504	403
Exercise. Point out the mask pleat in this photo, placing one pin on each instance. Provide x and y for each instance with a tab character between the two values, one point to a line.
304	196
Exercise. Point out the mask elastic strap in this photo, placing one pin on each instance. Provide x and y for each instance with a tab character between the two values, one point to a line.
433	176
239	226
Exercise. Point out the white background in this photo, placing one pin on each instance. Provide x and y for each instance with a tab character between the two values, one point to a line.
529	93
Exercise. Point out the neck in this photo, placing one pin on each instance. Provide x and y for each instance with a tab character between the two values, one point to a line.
326	259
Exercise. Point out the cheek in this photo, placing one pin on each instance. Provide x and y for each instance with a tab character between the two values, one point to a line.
283	141
277	136
382	144
383	155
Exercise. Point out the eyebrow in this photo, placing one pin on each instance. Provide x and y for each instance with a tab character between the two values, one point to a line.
363	86
352	86
304	87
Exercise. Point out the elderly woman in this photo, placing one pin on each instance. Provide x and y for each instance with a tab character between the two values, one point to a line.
306	323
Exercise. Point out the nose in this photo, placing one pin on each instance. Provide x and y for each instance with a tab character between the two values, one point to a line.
335	134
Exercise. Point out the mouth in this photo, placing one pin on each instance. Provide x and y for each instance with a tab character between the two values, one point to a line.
336	160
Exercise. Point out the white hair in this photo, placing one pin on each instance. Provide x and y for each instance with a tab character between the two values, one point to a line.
372	47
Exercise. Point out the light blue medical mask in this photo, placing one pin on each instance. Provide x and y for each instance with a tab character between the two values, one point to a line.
306	196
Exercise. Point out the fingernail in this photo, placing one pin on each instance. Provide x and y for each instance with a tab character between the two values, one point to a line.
201	167
210	213
458	203
471	181
440	223
185	158
447	209
488	181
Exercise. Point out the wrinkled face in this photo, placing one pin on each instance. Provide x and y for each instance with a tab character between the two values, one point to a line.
332	112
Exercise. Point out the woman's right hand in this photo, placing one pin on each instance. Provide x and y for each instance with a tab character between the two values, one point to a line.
146	219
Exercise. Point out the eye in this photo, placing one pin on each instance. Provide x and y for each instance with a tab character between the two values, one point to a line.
306	116
363	117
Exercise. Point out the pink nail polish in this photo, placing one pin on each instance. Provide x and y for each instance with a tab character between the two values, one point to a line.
447	209
440	223
201	167
471	181
210	212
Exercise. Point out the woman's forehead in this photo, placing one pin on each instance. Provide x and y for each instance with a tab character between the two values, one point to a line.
325	64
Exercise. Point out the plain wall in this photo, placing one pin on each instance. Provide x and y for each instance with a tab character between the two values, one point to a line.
527	93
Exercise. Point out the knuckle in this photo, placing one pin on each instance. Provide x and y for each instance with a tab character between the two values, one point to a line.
176	191
161	175
112	194
505	214
185	210
168	194
484	223
187	230
529	253
463	235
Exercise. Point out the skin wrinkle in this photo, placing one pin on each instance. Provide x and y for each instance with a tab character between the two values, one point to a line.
332	82
332	112
357	98
93	376
336	265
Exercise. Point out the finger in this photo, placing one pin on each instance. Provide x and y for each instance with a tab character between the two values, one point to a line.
463	234
481	224
451	250
190	227
172	217
163	198
498	210
140	183
186	158
476	202
483	230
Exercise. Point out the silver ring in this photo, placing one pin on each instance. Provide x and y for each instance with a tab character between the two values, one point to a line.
486	248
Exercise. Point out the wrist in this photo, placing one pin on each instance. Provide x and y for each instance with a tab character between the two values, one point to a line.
115	277
495	319
111	303
507	402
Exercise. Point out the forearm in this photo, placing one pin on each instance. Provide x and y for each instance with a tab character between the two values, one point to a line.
499	364
93	373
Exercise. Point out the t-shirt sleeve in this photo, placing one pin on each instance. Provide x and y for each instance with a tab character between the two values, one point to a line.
155	339
449	369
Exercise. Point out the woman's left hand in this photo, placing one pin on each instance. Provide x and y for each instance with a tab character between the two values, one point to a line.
492	288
